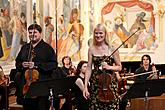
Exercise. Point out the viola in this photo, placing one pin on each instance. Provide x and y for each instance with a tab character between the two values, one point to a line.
154	74
105	93
122	85
31	75
72	70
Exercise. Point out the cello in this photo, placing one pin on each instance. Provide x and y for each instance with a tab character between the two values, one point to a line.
31	74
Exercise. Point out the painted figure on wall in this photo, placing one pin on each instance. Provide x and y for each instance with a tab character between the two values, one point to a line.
66	11
71	44
62	39
48	30
146	40
18	31
61	28
61	44
75	37
139	23
121	31
24	28
6	33
113	38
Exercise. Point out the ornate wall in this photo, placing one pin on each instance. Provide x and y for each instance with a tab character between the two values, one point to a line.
90	13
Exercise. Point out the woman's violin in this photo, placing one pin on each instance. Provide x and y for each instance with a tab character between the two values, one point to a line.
105	93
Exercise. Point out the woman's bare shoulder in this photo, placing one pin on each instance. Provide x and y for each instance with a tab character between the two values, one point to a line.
91	49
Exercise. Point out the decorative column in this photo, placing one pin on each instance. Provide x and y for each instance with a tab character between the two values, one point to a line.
39	11
159	29
163	27
85	21
29	12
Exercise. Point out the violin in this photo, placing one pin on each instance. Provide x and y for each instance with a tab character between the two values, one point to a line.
122	84
105	93
154	74
31	75
72	70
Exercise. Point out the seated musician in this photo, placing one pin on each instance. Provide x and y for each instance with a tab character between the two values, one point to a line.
67	69
79	101
63	101
35	62
146	67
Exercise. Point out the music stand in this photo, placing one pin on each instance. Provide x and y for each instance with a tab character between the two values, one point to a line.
42	88
148	88
50	88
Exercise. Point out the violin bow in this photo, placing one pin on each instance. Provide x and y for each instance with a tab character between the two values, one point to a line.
121	44
140	74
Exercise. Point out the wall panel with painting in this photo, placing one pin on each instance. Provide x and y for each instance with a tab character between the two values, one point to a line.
126	18
13	27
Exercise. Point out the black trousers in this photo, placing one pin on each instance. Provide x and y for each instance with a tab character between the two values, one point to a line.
3	98
39	103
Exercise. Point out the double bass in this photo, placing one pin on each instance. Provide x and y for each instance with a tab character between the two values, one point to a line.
31	74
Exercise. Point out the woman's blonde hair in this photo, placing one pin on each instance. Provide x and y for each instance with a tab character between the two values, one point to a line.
102	27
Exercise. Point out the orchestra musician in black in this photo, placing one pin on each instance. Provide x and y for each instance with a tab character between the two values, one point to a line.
146	66
63	101
79	101
146	71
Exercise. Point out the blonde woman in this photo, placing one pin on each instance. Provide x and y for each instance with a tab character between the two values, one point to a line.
99	56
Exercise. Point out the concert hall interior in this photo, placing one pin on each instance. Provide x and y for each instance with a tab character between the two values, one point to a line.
48	41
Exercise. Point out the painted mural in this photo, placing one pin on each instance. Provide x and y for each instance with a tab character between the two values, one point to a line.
134	26
13	26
